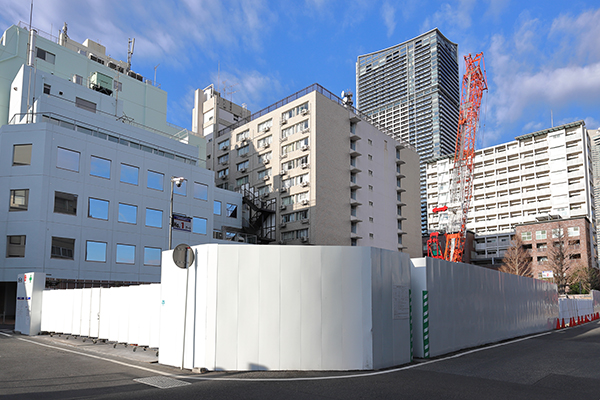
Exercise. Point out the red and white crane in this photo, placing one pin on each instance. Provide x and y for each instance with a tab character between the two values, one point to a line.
474	83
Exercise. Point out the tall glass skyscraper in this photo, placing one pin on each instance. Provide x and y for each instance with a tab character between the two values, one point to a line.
413	90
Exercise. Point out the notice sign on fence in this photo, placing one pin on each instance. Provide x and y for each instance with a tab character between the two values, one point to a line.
547	274
182	223
401	305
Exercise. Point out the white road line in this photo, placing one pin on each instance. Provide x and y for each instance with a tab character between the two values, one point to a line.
367	374
316	378
98	358
5	334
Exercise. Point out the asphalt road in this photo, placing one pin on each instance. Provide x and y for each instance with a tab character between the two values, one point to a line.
556	365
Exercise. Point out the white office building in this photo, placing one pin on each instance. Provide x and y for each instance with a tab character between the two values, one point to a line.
86	184
537	175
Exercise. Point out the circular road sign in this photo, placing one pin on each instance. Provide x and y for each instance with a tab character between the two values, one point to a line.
183	256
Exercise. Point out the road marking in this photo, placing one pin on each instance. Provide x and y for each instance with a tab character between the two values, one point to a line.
316	378
5	334
99	358
162	382
367	374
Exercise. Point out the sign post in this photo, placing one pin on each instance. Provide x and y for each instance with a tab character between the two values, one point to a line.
183	257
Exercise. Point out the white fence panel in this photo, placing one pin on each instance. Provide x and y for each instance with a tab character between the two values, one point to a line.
154	314
66	305
104	314
86	303
134	310
122	309
113	314
94	312
50	310
77	305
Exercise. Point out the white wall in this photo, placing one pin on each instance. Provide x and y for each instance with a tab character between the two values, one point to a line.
470	306
287	308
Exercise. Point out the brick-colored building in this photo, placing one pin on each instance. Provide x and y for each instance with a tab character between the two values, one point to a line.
539	236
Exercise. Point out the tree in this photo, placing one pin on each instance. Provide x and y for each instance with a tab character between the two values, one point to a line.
583	279
516	260
560	258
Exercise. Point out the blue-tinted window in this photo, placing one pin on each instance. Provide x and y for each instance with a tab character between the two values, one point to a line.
95	251
129	174
127	213
125	254
100	167
180	190
232	210
67	159
217	208
155	180
98	208
153	218
199	225
200	191
152	256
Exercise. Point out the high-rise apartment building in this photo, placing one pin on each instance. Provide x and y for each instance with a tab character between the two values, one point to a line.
413	90
320	173
595	142
540	176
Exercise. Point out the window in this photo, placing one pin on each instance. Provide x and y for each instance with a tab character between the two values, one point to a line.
21	154
264	190
243	135
182	189
98	208
47	88
117	86
224	173
15	246
557	233
199	225
243	150
224	145
573	231
264	142
155	180
154	218
242	181
65	203
224	159
217	208
200	191
127	213
45	55
63	248
78	79
85	104
67	159
243	165
265	158
125	254
264	126
100	167
265	173
152	256
525	235
540	235
95	251
232	210
129	174
19	200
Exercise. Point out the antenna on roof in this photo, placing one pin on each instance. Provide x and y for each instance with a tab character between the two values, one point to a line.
130	53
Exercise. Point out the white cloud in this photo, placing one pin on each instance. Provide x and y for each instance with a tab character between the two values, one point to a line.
581	32
455	16
388	13
249	87
591	123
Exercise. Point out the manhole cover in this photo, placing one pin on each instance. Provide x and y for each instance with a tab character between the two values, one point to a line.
162	382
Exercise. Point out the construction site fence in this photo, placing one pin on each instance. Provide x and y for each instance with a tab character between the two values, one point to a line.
129	314
571	307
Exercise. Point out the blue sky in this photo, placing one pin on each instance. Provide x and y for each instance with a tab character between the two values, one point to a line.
540	56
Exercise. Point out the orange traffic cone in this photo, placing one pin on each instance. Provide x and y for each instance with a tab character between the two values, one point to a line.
557	323
570	321
562	325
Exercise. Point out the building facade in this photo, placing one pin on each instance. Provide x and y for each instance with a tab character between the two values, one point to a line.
413	90
332	177
540	174
86	188
595	142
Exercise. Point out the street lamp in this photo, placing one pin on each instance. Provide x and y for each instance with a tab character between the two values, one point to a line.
174	181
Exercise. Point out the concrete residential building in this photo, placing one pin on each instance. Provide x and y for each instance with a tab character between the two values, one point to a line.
213	113
540	174
322	174
86	190
413	90
595	142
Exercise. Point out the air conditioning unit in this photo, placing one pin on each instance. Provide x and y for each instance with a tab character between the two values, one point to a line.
304	184
224	162
243	169
283	207
244	155
282	225
283	139
304	202
223	148
304	239
244	142
283	155
304	165
224	177
266	145
304	221
265	195
304	147
283	189
266	161
304	111
283	172
283	122
266	129
266	178
305	130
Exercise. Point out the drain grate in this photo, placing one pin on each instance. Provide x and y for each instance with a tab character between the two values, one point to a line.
162	382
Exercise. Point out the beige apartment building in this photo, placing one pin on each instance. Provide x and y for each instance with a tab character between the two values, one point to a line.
314	170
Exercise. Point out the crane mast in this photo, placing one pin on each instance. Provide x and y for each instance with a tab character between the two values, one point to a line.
461	185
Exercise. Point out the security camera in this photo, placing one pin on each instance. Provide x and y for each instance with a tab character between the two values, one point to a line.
178	181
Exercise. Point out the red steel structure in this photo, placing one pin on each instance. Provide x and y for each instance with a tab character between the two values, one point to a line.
461	187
